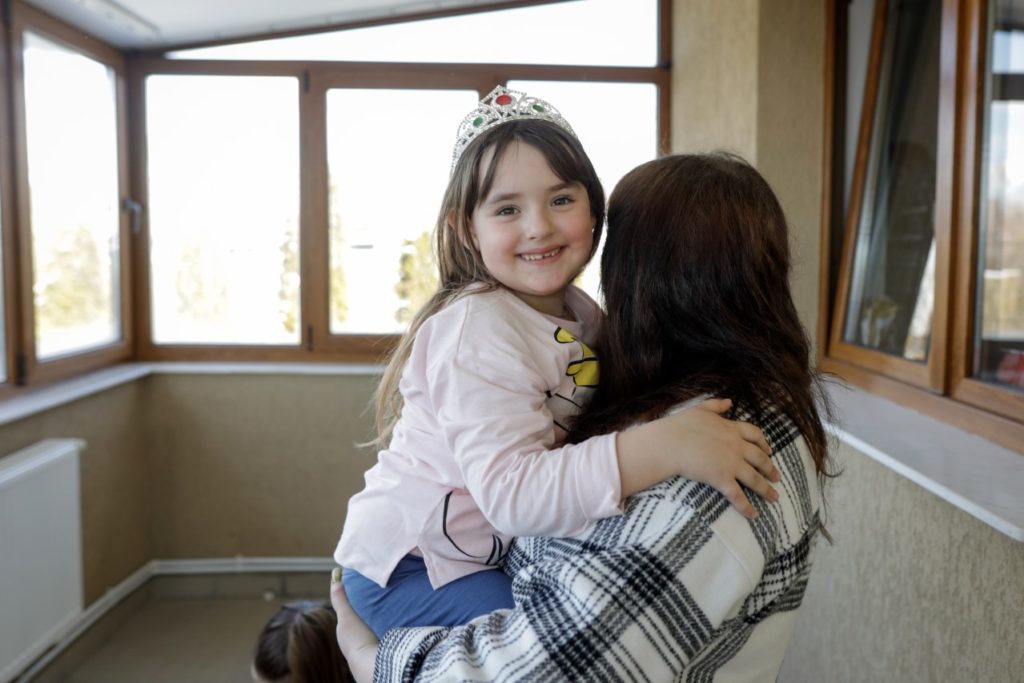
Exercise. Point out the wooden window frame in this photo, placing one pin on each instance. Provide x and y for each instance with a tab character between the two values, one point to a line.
316	78
943	387
8	242
30	370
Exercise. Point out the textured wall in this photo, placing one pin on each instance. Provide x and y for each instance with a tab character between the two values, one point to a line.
256	465
790	131
747	77
913	590
114	475
714	76
195	466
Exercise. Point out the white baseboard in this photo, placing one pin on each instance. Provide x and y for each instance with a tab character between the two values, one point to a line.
243	565
227	565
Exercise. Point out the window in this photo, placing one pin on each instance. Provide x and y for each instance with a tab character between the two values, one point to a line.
6	237
223	180
368	154
928	300
386	177
70	178
73	195
591	32
275	197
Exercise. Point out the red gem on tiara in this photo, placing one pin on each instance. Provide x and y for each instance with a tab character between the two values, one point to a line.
503	99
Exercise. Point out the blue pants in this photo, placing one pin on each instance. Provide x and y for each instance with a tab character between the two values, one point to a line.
409	600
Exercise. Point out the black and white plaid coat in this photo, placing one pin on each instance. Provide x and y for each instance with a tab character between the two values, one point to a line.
679	588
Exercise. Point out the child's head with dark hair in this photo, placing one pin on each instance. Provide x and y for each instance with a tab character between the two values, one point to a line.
298	645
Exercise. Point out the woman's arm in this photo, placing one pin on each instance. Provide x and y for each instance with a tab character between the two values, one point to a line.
357	642
643	609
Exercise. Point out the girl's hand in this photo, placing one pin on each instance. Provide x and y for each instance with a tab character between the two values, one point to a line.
700	444
357	642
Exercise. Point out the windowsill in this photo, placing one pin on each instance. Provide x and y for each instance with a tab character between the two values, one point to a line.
972	473
46	398
978	476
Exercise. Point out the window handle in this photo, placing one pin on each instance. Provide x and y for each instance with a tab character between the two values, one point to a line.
135	209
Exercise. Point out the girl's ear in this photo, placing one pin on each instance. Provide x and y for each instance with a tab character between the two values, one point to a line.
453	226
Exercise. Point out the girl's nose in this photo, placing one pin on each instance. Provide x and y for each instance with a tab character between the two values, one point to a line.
538	226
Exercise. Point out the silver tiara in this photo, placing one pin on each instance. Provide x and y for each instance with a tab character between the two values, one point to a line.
501	106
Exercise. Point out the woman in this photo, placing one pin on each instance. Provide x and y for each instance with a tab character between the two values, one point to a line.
695	279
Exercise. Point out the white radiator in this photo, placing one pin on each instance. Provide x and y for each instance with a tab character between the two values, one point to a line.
40	550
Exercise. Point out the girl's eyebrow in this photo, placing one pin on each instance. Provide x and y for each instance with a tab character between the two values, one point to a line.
508	196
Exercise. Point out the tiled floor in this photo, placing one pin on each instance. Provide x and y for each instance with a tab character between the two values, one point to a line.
184	630
171	640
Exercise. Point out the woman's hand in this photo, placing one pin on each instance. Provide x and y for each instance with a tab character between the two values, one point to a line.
699	444
357	642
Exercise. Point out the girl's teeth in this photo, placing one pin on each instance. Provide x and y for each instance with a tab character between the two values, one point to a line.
538	257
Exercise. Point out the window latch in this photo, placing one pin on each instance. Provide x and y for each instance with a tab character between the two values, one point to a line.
135	209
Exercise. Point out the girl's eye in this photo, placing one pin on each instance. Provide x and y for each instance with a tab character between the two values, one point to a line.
564	199
507	211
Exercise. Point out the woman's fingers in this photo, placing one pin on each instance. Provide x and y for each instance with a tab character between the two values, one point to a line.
752	434
756	482
759	460
734	494
715	405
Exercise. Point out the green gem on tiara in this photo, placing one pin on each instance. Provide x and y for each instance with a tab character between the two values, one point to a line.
478	121
538	108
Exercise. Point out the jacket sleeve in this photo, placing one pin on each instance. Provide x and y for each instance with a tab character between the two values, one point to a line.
637	611
492	412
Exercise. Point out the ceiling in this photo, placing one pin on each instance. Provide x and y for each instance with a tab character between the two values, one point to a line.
152	24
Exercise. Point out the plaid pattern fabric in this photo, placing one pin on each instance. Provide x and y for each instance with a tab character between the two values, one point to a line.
679	588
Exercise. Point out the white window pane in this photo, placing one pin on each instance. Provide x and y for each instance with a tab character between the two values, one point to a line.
387	173
595	32
71	134
223	174
617	124
999	309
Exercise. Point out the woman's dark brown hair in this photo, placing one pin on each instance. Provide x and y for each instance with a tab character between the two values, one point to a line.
695	277
299	643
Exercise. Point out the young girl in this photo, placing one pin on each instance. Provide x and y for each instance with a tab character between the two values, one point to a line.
478	395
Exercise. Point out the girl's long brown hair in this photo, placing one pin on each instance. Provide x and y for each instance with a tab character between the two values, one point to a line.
459	263
695	277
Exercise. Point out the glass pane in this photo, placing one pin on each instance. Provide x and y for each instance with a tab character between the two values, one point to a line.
71	137
597	32
387	178
594	109
999	319
223	154
892	287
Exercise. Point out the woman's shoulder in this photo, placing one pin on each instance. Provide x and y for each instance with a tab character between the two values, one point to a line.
779	524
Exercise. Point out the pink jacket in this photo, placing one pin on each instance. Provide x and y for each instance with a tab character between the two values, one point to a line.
475	458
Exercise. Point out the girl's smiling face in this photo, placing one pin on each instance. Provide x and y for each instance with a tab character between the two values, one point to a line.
534	231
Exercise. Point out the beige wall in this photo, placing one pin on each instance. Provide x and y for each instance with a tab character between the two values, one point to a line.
913	589
747	78
257	465
114	475
199	466
715	57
